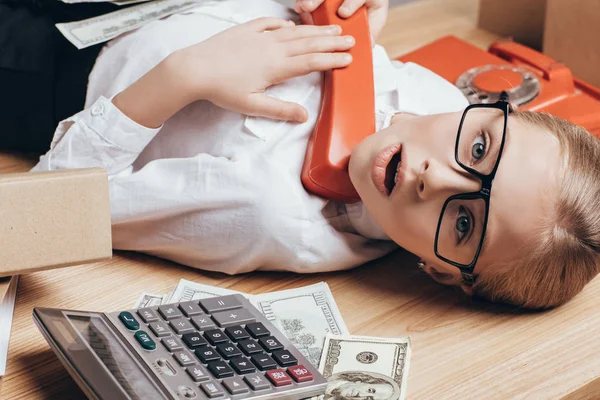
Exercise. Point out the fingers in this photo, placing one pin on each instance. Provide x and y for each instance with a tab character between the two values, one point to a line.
349	7
307	63
270	107
307	31
319	45
269	24
307	5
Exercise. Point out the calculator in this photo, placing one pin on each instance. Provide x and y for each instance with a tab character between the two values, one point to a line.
215	348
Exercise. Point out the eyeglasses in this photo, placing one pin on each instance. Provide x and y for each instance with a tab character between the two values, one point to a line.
464	217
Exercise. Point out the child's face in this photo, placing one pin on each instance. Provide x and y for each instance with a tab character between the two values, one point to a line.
525	182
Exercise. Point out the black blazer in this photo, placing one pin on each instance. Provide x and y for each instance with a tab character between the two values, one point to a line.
43	77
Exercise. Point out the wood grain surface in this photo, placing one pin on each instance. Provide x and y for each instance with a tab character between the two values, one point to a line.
461	349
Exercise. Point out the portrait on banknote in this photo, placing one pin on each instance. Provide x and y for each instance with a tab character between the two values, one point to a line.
361	385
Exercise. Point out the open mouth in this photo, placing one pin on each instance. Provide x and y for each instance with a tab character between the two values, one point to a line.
391	172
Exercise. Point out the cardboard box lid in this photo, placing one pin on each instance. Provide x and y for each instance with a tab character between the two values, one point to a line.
53	219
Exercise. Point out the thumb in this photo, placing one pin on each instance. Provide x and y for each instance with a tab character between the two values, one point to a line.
262	105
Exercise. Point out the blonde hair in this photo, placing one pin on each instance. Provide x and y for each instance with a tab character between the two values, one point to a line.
566	254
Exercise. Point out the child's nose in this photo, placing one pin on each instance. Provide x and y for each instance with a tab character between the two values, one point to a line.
436	178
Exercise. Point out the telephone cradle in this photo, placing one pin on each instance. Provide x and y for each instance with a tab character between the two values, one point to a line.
532	80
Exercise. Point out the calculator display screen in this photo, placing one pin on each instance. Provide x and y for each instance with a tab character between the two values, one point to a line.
111	352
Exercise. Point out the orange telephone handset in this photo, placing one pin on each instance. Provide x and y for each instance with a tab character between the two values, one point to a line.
347	110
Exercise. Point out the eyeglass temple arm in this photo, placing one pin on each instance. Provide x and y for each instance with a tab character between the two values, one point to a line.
503	96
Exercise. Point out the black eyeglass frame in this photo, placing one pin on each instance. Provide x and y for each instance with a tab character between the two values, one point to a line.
484	193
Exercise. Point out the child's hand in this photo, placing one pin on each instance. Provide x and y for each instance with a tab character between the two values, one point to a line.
233	68
377	10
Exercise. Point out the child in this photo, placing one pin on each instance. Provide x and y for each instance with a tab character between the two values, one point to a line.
199	184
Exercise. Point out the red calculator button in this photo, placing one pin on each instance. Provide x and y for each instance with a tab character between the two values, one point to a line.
300	373
279	377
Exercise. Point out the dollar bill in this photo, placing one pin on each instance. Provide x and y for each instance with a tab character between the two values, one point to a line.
150	300
84	1
365	367
117	2
89	32
304	315
187	290
127	2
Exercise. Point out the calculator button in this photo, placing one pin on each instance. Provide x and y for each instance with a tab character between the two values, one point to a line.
279	377
300	373
284	358
233	317
257	330
145	340
181	325
190	308
235	385
169	311
172	343
198	373
207	354
215	336
194	339
187	392
160	328
212	390
220	369
228	350
249	346
270	343
220	304
237	333
129	321
203	322
147	315
242	365
263	361
257	381
184	358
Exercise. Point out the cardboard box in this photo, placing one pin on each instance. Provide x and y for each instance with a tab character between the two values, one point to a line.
53	219
571	36
519	19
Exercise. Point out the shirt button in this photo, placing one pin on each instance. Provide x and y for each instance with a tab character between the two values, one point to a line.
98	109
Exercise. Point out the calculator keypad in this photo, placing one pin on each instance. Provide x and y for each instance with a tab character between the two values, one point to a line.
222	347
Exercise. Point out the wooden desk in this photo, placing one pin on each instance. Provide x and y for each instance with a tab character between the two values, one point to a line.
459	351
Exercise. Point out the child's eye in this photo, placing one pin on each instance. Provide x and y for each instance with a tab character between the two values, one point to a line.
463	225
479	148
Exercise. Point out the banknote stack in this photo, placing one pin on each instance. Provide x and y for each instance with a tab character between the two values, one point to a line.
357	367
100	29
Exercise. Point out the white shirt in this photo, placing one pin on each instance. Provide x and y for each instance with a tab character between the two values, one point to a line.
217	190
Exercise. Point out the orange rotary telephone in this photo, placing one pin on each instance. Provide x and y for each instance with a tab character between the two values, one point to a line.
533	81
